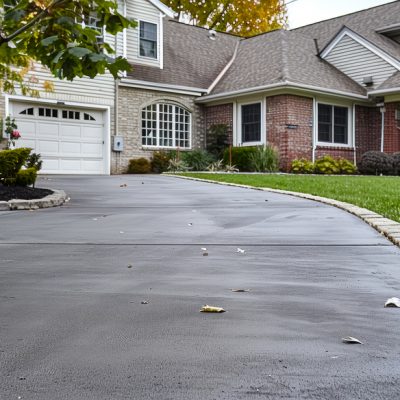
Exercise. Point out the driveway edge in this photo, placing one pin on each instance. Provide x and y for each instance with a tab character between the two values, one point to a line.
57	198
385	226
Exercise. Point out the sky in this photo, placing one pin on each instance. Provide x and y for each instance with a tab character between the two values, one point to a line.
304	12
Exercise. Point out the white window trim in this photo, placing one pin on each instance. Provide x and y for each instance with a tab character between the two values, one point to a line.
158	146
238	128
350	126
158	41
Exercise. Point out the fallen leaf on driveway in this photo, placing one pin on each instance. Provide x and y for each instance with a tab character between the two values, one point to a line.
393	302
129	266
240	290
190	224
351	340
123	185
211	309
239	250
144	302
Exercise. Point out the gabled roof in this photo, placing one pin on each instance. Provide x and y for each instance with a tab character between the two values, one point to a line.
392	82
278	58
191	58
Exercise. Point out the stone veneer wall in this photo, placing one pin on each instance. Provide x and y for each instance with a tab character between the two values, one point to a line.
130	103
289	121
220	114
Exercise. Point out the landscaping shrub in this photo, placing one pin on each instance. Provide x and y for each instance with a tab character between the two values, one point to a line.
376	163
302	166
217	139
265	159
11	161
346	167
34	161
197	160
326	165
396	163
241	157
160	161
176	165
26	177
139	166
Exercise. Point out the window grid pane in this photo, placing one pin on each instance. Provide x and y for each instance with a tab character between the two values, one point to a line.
333	124
251	123
148	39
340	128
166	125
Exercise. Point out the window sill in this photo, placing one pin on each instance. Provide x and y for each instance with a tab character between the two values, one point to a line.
157	148
334	146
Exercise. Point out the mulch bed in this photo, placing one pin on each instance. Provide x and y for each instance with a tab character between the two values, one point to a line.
23	193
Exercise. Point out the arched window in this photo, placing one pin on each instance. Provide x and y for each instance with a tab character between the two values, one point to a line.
166	125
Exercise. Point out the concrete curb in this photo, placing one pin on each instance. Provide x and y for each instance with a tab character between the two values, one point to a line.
57	198
387	227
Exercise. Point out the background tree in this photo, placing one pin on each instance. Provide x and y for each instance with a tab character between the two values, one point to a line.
242	17
61	35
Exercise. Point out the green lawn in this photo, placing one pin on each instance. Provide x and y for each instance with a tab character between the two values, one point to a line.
380	194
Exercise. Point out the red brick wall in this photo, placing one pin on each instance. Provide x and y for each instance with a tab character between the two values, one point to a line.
292	142
221	114
335	152
392	129
368	129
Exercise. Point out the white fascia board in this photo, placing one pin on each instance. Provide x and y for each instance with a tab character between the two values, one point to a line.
385	91
280	85
162	87
366	43
57	102
163	8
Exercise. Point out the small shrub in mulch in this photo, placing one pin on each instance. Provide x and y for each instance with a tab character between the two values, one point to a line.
22	193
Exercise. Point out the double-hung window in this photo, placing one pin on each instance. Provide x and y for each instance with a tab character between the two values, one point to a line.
333	124
251	122
166	125
148	40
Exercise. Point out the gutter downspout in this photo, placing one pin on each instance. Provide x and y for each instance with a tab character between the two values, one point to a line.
383	111
354	133
314	129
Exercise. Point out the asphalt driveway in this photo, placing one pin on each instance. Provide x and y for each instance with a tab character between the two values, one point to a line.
73	279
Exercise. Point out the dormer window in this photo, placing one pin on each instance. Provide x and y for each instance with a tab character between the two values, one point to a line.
148	40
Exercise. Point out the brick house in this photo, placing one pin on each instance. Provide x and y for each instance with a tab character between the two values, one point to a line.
328	88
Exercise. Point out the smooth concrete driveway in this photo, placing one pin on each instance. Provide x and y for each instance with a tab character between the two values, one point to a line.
73	279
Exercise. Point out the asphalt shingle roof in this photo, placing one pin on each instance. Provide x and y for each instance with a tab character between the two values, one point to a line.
192	59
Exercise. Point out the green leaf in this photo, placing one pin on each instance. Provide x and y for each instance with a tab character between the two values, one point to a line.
49	40
79	52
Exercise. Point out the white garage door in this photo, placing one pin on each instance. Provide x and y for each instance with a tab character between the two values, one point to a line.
70	141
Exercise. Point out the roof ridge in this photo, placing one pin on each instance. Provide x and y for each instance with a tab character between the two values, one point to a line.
345	15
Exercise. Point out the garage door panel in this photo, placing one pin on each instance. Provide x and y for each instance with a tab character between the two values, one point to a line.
92	165
71	132
47	147
70	149
49	130
28	128
50	164
66	144
92	149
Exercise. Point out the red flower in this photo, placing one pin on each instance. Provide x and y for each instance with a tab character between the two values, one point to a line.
16	135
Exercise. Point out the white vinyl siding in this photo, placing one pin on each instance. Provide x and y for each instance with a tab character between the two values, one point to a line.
356	61
142	10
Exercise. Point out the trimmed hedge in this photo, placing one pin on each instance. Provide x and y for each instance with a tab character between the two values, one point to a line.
396	163
160	161
325	165
139	166
11	162
26	177
376	163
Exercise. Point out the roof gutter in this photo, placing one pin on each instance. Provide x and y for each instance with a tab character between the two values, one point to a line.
280	85
225	70
384	91
163	87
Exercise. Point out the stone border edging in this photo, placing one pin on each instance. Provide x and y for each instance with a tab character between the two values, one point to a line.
385	226
57	198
